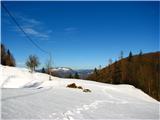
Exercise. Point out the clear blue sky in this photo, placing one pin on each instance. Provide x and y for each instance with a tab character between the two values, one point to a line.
81	34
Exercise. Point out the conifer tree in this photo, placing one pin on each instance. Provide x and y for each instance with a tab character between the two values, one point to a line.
130	56
76	75
95	71
70	76
3	54
43	70
121	55
6	57
140	53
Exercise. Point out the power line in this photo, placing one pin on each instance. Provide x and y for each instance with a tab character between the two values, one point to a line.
18	25
28	37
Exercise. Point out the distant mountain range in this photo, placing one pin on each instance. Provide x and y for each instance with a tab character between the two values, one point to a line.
66	71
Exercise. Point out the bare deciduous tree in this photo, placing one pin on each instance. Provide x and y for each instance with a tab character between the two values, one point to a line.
32	62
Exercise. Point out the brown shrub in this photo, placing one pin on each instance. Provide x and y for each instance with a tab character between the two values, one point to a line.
86	90
79	87
72	85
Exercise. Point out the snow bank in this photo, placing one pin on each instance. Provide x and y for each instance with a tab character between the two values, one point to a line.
13	77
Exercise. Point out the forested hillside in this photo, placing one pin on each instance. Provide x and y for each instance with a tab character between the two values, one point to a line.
7	57
141	70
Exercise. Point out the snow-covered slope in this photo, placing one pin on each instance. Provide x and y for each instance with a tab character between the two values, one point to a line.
35	97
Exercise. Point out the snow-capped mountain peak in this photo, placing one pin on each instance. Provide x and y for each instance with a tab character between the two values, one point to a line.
61	69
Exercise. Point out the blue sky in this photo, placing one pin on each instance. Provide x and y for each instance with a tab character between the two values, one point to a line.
81	34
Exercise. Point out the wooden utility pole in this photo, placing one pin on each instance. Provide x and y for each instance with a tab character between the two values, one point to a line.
50	66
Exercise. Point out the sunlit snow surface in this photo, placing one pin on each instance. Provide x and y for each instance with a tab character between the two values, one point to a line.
33	96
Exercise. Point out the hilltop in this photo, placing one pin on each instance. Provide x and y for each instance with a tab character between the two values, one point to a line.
141	71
